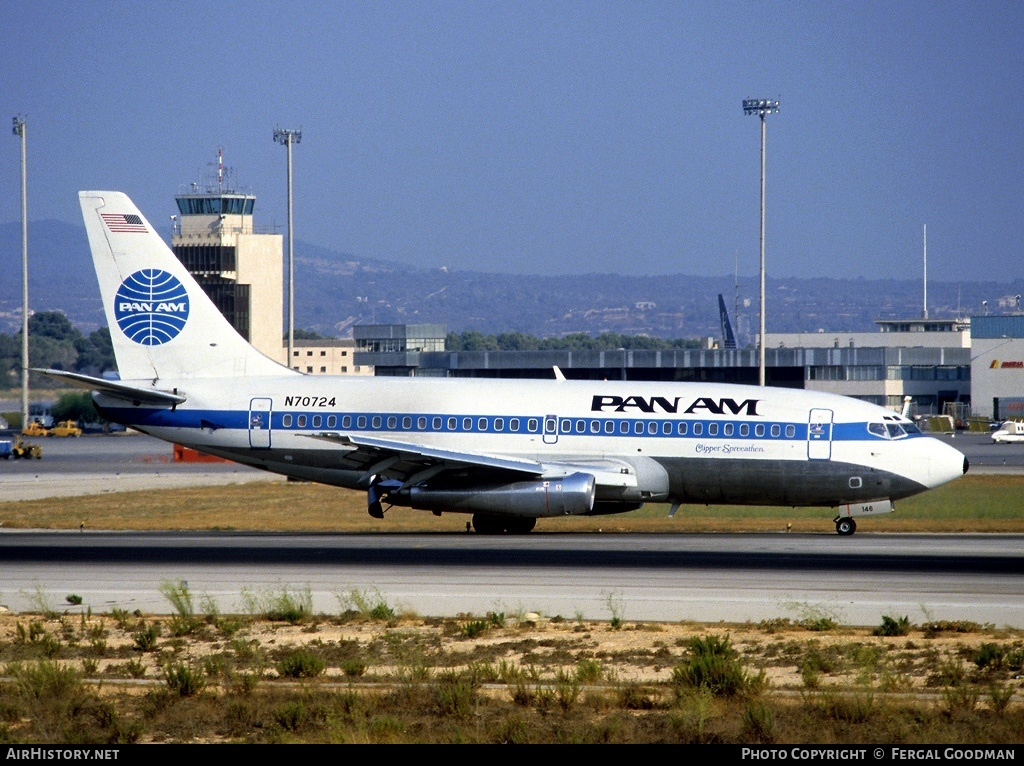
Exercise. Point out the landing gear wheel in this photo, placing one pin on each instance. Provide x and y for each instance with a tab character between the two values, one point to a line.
492	524
846	527
488	524
520	526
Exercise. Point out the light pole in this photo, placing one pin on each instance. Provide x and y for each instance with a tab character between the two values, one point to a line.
287	138
924	235
762	108
18	128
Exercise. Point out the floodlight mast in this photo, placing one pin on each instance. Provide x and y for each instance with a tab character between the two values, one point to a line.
762	108
287	138
18	128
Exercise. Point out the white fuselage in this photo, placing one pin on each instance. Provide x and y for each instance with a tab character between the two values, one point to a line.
688	441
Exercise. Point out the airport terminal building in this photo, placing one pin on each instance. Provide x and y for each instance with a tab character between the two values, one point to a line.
997	366
929	361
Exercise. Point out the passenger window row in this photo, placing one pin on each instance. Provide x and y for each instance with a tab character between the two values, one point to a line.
565	425
670	428
390	423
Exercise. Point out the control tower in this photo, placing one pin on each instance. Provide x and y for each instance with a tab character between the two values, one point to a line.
241	270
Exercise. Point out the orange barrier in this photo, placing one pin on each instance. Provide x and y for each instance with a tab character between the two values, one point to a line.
189	455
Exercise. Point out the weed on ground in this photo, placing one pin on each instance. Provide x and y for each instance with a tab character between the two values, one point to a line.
372	675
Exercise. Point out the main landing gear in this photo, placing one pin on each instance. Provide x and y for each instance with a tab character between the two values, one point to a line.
492	524
846	526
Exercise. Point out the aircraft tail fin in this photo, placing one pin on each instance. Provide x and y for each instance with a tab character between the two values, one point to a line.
728	337
162	324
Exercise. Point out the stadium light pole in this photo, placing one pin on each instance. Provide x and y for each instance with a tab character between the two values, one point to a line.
762	108
18	128
287	138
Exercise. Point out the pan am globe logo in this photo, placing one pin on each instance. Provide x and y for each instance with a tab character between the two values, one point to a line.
151	307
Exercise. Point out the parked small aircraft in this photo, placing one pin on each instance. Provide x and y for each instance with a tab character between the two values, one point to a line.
1010	432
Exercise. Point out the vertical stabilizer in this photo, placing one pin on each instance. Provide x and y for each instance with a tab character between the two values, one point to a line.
162	324
728	337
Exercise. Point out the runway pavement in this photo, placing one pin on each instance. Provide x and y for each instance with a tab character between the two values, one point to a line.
704	578
123	462
751	578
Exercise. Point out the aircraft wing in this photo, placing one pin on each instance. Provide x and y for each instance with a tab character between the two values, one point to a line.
411	463
405	460
115	388
390	466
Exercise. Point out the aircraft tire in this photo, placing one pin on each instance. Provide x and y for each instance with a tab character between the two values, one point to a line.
846	527
488	524
520	525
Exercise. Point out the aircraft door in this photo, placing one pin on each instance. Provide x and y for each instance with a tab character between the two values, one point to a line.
550	429
260	411
819	435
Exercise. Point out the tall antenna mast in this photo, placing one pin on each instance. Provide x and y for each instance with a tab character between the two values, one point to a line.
736	286
18	129
925	234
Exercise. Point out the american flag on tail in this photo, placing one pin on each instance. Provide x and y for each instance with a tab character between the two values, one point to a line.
124	224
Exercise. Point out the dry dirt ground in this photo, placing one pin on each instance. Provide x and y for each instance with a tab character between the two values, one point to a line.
369	675
355	647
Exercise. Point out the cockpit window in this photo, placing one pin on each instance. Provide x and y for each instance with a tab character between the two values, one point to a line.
878	429
895	430
890	430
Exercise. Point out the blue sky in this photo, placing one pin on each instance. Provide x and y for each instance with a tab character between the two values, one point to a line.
546	137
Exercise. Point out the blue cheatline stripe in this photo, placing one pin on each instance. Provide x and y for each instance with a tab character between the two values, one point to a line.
378	422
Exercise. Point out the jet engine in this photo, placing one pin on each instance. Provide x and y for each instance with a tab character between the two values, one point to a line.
564	496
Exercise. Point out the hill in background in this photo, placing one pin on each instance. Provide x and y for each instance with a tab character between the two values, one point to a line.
334	291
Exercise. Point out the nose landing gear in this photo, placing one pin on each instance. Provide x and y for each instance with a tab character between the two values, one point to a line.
846	526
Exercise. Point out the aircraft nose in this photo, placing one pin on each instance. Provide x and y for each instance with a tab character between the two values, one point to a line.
967	464
946	463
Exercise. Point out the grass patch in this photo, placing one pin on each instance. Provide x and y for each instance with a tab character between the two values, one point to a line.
893	626
366	606
714	665
980	503
301	663
286	605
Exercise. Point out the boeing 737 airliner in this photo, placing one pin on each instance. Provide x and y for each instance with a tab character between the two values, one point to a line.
507	452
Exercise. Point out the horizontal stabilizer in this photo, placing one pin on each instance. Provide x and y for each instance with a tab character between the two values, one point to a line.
115	388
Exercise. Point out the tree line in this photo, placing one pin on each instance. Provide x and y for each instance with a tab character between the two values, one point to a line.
55	343
472	340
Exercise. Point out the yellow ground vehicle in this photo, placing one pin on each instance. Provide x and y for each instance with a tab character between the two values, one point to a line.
26	451
35	428
66	428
